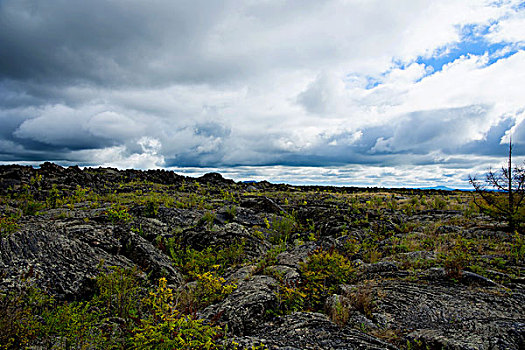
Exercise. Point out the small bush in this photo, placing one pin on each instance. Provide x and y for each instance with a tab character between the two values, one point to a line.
322	273
8	225
291	299
231	212
76	325
207	219
210	289
364	299
30	207
457	258
270	258
118	214
18	325
151	209
282	227
192	262
518	247
118	291
167	328
439	203
53	198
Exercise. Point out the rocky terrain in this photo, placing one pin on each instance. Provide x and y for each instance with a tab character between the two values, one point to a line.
102	258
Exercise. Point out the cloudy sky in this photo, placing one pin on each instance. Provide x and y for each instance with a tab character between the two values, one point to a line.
349	92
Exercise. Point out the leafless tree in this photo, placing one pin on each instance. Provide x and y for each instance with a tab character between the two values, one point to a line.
502	192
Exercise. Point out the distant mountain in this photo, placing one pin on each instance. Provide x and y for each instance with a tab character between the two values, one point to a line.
438	188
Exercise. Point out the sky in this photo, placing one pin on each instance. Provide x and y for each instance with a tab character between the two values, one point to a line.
384	93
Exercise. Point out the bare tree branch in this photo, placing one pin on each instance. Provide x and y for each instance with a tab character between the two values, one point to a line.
502	194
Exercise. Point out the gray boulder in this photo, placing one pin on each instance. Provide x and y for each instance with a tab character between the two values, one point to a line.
247	307
62	265
150	259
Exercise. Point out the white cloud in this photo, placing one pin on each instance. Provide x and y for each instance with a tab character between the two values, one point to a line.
438	129
120	157
517	132
149	145
112	125
509	29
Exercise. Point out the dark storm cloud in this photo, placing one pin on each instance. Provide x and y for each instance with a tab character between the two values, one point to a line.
105	42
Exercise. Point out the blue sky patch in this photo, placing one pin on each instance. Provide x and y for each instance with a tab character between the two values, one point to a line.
473	42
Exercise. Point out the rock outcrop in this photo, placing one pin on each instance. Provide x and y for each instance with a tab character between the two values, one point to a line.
308	330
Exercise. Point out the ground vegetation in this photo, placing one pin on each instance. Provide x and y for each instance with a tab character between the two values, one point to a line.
118	259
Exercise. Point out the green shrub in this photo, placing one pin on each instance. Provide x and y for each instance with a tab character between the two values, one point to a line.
30	207
192	262
8	225
210	289
231	212
83	324
118	291
118	214
167	328
76	325
207	219
151	208
79	195
269	258
291	299
322	273
18	325
53	197
518	247
30	314
228	196
457	258
439	203
282	227
115	318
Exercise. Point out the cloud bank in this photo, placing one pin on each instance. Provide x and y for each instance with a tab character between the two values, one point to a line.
341	92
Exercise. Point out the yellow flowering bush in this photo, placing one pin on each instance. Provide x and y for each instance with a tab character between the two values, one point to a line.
167	328
212	288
